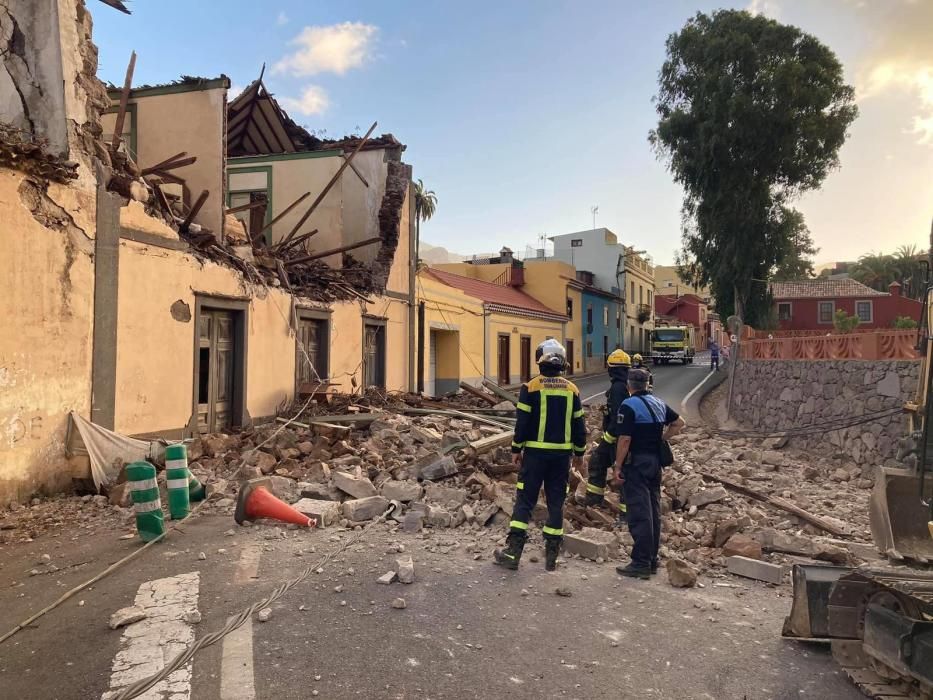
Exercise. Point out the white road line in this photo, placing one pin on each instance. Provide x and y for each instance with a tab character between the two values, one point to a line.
694	390
590	398
146	646
247	569
236	665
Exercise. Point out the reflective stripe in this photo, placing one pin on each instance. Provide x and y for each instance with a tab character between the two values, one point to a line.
520	485
592	488
518	525
611	439
623	508
143	484
518	444
567	490
569	416
552	530
542	418
579	450
176	483
550	445
578	414
523	407
148	506
176	464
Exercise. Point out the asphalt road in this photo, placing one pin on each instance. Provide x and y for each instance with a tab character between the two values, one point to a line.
672	383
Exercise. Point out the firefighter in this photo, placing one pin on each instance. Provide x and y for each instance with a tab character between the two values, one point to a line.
602	457
638	362
549	429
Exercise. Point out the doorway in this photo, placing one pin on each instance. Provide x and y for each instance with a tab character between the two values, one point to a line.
374	355
215	370
312	342
525	350
503	356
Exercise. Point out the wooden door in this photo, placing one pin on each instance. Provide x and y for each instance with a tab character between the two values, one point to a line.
215	370
569	356
374	339
525	350
312	350
503	356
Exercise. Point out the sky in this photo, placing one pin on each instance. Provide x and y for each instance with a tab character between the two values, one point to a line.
521	115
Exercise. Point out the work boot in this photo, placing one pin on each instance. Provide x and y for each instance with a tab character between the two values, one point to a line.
593	500
551	550
632	571
509	557
654	566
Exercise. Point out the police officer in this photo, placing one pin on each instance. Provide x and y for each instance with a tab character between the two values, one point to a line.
549	428
643	422
603	456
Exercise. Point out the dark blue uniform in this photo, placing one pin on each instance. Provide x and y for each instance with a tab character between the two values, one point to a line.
642	418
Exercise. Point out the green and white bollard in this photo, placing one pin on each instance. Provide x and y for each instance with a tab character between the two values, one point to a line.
176	479
145	491
195	488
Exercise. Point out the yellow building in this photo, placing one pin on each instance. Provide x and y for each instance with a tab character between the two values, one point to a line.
668	283
499	327
145	328
639	301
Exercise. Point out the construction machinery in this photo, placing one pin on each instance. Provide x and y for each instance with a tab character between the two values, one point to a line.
672	342
879	619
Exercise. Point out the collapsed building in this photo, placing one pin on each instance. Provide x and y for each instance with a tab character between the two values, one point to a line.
177	262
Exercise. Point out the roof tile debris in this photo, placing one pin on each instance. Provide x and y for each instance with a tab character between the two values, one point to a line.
822	289
500	297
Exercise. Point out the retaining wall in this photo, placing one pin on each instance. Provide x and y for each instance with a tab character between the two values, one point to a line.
782	395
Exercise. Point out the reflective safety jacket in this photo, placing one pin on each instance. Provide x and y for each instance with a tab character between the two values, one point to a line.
550	417
615	395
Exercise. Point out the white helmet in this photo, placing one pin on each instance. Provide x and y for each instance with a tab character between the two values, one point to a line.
550	352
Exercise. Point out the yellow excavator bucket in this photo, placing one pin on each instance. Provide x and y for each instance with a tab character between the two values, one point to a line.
900	522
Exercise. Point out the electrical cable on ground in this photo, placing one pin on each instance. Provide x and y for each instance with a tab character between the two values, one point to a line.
236	621
810	428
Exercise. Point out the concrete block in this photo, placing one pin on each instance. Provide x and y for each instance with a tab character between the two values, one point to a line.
325	512
707	496
365	508
438	466
591	543
356	486
405	568
758	570
403	491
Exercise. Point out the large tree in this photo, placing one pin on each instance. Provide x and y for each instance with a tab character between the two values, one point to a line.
751	114
797	257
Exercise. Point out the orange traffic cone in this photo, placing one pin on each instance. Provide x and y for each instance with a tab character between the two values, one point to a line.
255	500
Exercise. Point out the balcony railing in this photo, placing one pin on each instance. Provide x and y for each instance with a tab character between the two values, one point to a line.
876	345
643	313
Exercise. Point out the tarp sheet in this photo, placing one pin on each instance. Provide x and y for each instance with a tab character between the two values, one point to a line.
109	451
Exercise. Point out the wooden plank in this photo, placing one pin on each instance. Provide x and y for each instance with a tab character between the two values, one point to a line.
334	251
346	418
333	181
777	502
171	165
194	210
356	170
279	217
124	100
168	177
244	207
175	157
478	393
500	392
294	242
492	442
283	275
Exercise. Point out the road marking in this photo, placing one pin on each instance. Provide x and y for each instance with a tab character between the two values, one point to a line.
236	665
146	646
590	398
683	404
247	568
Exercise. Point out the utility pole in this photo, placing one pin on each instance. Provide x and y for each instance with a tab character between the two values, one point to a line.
594	210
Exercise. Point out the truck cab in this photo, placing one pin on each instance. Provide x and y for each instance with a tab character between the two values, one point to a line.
672	343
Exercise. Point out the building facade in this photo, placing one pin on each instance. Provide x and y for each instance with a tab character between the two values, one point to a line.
811	305
690	309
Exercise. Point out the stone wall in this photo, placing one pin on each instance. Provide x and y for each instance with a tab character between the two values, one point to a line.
786	394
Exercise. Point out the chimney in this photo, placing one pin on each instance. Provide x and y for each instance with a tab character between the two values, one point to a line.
894	289
505	255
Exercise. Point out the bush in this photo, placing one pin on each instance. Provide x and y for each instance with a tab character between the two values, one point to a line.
904	323
843	323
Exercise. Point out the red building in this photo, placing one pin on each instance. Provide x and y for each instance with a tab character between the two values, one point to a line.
687	308
810	305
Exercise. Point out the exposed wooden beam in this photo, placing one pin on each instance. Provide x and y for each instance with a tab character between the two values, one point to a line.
124	100
335	251
244	207
168	160
343	166
193	212
356	170
279	217
173	165
297	240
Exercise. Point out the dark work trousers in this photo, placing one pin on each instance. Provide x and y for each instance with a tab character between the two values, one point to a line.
600	461
643	498
541	469
714	362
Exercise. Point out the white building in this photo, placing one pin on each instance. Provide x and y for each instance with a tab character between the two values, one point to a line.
618	269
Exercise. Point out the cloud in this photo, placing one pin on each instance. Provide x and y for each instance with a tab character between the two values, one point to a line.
282	19
769	8
901	58
337	48
313	100
234	91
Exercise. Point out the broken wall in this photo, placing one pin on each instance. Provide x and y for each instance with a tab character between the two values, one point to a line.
46	303
781	395
164	121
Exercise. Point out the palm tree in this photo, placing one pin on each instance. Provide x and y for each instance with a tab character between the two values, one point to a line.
876	270
425	202
911	270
